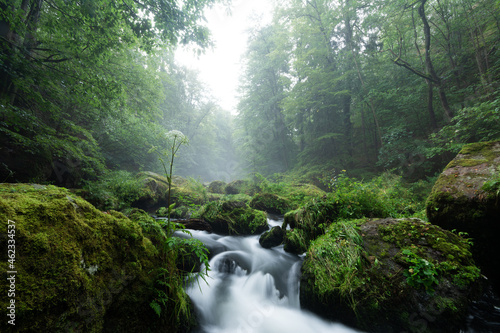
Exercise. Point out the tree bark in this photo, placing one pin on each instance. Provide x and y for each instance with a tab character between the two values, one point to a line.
429	67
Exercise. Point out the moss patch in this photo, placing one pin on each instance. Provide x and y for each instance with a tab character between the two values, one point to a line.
79	269
270	203
231	217
460	200
379	275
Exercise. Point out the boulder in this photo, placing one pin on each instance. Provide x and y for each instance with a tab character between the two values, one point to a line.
270	203
307	223
196	224
154	192
217	187
230	217
240	187
390	275
460	201
79	269
272	238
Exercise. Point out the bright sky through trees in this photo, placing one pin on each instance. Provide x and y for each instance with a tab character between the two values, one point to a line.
221	67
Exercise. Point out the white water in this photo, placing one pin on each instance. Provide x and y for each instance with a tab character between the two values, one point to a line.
252	289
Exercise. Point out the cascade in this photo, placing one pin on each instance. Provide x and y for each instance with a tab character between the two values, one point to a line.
252	289
255	290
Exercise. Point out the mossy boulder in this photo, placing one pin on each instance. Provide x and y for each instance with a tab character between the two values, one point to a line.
181	212
154	191
272	238
217	186
230	217
390	275
307	223
270	203
240	187
459	201
78	269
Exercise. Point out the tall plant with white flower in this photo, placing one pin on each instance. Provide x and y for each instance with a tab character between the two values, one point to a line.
175	139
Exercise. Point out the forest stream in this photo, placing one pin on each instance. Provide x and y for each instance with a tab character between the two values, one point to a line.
252	289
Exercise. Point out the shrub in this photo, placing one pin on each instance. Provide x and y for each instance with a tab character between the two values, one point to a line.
115	190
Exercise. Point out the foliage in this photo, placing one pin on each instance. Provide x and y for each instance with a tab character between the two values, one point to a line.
421	273
384	196
286	186
493	185
114	190
83	263
361	90
169	286
233	217
337	262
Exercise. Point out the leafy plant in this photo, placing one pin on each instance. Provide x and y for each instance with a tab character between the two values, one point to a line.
169	280
493	185
114	190
421	273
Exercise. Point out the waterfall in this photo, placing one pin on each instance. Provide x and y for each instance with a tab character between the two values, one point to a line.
252	289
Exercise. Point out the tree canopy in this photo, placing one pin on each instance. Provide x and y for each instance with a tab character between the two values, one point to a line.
374	85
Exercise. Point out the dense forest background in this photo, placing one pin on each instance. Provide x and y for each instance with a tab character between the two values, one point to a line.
88	87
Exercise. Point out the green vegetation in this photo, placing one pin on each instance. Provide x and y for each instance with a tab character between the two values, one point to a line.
368	271
348	110
337	261
95	267
367	93
231	217
175	140
384	196
421	272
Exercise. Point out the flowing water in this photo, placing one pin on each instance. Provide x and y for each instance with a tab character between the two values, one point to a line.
252	289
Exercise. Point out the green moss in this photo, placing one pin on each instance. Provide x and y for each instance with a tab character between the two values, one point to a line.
465	162
368	272
270	203
484	149
296	241
455	257
233	217
75	263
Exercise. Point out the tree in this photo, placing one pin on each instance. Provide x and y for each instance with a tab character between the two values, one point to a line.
77	71
267	141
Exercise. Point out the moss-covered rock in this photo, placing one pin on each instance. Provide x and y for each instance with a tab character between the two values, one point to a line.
78	269
181	212
270	203
390	275
271	238
307	223
240	187
459	201
217	186
154	193
229	217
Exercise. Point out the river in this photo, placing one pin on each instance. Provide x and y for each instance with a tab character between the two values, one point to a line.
255	290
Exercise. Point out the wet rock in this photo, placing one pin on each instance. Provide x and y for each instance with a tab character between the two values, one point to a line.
390	275
196	224
272	238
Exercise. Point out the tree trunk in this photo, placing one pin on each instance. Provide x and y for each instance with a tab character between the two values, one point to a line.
429	67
